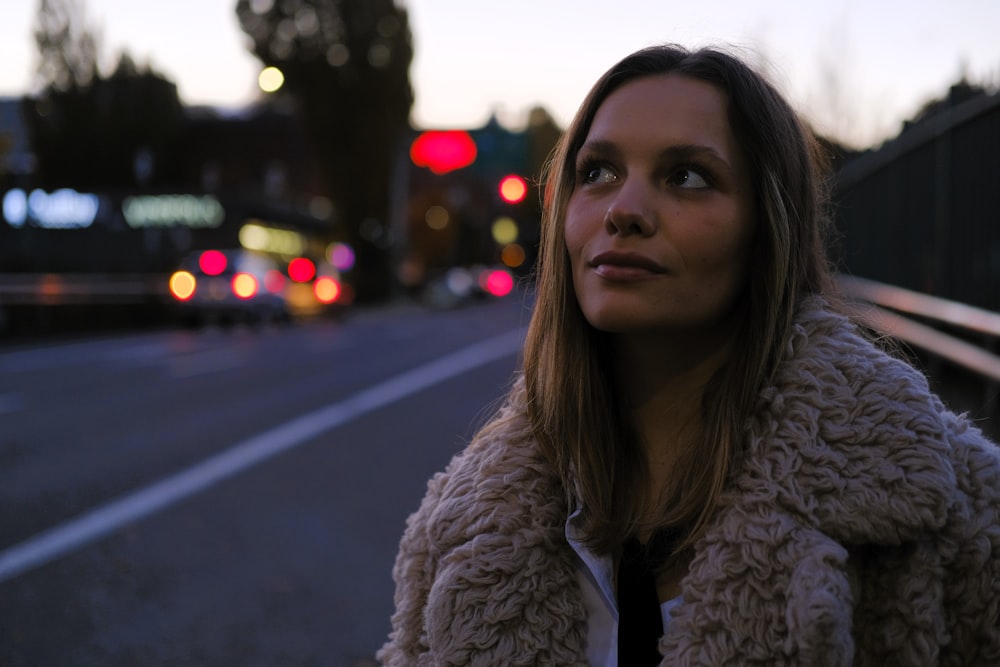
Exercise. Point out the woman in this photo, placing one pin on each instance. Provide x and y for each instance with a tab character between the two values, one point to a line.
703	463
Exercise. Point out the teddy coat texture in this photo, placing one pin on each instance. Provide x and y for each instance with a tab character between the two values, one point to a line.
861	526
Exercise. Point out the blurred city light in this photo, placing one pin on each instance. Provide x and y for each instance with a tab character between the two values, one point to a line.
497	282
327	289
512	255
270	79
513	189
442	151
274	281
212	262
459	282
244	285
504	230
341	256
254	236
437	217
301	270
63	209
182	285
167	210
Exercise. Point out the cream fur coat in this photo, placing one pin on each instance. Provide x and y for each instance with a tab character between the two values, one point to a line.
861	527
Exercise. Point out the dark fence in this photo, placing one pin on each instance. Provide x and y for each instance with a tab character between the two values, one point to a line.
923	211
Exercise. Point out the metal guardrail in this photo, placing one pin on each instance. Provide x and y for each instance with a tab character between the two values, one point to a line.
873	303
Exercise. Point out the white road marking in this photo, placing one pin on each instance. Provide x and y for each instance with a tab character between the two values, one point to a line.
115	514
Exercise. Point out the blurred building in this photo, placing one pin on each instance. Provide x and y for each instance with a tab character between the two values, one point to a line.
485	212
258	151
16	158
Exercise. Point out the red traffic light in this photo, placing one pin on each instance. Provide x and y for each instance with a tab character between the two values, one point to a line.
442	151
513	189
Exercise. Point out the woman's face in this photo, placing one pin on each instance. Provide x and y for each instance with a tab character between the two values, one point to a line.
661	219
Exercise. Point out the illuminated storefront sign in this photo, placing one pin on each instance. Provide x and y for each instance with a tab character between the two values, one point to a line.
169	210
255	236
61	209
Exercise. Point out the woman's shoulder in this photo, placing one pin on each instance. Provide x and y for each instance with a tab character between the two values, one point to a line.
826	344
504	443
853	437
500	478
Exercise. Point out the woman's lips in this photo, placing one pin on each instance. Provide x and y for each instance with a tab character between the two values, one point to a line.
616	265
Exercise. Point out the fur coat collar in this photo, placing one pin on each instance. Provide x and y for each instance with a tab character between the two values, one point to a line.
862	526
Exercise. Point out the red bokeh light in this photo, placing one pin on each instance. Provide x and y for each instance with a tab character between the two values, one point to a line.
499	283
442	151
513	189
301	270
274	281
212	262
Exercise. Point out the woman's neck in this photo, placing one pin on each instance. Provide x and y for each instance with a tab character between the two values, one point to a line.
664	384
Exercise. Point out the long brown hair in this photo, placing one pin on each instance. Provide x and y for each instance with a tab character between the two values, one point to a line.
574	409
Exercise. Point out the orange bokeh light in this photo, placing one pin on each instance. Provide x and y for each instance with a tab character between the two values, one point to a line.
327	289
513	189
244	285
182	285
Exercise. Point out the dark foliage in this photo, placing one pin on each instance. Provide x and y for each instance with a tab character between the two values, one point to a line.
346	65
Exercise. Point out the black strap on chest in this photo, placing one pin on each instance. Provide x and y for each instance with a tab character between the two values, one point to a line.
640	624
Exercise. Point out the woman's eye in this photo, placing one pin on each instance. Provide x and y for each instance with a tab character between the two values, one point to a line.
688	178
596	173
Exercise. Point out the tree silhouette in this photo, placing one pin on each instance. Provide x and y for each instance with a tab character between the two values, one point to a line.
67	47
88	131
346	64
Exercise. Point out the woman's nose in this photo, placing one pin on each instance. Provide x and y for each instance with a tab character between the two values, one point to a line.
630	212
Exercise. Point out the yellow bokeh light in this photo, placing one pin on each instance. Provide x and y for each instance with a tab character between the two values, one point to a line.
270	79
437	217
504	230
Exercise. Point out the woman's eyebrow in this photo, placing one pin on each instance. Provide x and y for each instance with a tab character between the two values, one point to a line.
689	151
600	147
677	152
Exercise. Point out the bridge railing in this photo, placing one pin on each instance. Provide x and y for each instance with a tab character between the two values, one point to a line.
886	309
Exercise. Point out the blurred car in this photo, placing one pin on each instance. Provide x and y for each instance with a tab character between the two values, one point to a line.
314	289
460	285
249	287
229	287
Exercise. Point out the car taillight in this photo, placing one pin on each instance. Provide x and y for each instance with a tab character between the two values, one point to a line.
274	281
301	270
182	285
326	289
244	285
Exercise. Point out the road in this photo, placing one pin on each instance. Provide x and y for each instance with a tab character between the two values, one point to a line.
229	497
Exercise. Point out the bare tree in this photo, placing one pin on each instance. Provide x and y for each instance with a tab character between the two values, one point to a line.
67	47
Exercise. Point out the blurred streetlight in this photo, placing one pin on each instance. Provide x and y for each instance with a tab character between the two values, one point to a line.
270	79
